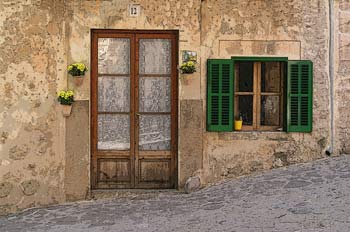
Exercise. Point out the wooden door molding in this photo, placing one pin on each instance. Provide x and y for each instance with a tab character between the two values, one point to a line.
131	159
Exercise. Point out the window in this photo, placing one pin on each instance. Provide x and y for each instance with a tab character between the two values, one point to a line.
258	97
269	94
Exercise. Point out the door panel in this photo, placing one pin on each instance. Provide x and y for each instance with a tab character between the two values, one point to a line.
134	109
154	118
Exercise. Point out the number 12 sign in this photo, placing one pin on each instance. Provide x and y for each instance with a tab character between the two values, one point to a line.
134	10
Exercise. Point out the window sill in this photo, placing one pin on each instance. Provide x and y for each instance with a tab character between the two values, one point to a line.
255	135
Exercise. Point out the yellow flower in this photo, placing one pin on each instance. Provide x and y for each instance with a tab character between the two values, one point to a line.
190	63
70	67
61	93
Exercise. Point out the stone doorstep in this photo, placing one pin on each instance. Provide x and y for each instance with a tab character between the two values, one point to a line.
132	194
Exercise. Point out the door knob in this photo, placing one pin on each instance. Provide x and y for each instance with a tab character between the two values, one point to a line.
137	114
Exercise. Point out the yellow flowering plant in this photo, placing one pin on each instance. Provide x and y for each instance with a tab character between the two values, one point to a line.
65	97
188	67
77	69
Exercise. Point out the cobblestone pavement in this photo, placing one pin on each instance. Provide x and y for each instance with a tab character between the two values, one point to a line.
308	197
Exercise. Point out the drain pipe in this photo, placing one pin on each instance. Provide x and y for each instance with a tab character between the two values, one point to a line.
330	148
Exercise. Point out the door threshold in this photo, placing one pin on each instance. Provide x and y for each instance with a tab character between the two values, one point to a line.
133	194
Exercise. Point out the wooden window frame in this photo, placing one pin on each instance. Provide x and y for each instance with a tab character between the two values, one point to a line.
257	94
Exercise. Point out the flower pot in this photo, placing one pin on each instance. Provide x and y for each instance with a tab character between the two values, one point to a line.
238	125
78	80
66	110
185	78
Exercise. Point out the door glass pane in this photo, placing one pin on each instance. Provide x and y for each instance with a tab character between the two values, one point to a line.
245	109
155	93
244	80
113	56
155	132
270	111
271	77
113	94
155	56
113	132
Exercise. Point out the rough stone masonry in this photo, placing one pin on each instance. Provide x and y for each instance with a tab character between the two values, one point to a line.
45	158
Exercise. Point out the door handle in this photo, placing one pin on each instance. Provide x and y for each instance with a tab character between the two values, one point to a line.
137	114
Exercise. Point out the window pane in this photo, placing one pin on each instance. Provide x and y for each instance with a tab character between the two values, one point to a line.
113	94
155	56
113	132
245	109
155	93
155	132
271	77
270	111
113	55
245	76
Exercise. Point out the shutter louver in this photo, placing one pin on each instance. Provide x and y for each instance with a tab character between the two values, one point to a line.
220	95
299	105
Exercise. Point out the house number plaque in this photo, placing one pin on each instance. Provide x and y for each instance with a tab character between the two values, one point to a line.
134	10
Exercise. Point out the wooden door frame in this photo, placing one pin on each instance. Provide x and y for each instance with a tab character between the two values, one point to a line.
110	33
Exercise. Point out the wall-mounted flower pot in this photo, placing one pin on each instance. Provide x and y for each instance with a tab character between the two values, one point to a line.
185	78
78	80
66	110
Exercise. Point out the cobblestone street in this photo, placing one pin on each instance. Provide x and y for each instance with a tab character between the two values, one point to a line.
308	197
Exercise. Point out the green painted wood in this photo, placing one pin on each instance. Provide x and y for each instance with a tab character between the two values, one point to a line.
299	96
259	59
220	95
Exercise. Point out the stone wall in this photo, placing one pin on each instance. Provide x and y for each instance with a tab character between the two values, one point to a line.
342	75
32	67
294	29
38	38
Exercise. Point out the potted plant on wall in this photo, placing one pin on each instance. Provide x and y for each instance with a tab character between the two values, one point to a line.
66	99
188	67
77	71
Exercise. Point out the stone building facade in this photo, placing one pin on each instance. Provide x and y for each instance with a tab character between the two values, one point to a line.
45	158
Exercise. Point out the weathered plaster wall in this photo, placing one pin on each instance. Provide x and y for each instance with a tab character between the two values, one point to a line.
162	15
296	29
38	38
342	75
32	66
175	15
77	154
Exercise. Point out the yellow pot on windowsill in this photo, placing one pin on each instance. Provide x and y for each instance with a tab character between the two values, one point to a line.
238	125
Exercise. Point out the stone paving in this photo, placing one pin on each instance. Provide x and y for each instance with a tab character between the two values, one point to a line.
312	197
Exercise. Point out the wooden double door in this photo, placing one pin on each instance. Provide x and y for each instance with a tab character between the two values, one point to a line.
134	109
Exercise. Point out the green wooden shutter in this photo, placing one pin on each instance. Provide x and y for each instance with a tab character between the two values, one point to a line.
220	95
299	96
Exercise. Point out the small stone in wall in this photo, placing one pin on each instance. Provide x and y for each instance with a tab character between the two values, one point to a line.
192	184
280	159
256	166
277	163
5	209
30	187
5	189
3	137
236	170
18	152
